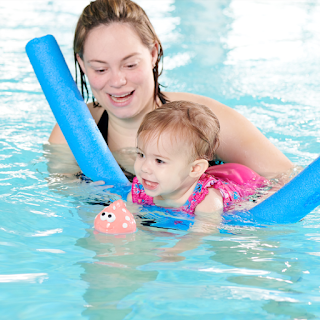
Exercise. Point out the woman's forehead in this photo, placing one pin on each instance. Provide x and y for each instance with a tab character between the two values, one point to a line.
107	38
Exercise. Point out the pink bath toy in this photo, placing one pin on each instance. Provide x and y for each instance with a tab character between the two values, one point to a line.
115	219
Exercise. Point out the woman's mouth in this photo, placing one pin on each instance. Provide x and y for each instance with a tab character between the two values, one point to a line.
121	98
149	185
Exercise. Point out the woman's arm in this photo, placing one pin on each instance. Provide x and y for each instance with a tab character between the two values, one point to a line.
56	136
240	141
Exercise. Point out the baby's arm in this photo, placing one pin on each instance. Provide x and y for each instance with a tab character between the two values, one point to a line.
211	203
206	221
129	196
208	213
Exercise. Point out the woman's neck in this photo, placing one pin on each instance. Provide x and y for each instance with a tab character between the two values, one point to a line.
122	134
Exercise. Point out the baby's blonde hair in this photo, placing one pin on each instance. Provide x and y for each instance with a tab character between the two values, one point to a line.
191	123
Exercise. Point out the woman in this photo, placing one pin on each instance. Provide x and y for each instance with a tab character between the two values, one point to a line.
118	51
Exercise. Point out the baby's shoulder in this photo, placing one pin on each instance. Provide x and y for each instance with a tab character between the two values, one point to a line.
213	202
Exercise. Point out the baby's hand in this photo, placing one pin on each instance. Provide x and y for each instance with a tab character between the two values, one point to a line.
98	183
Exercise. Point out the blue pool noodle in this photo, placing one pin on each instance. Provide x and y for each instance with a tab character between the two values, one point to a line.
290	204
293	201
75	121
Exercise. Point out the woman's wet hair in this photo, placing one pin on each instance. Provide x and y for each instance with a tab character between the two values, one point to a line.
192	124
105	12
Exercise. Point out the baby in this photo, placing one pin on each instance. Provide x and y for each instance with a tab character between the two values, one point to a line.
175	143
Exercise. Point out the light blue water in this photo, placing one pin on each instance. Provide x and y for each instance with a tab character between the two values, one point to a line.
262	58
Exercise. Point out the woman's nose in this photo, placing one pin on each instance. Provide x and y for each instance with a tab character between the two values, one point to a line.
118	79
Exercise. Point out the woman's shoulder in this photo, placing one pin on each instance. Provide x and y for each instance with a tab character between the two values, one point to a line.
214	105
96	112
174	96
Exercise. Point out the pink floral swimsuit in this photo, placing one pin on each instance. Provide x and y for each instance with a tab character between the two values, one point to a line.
231	191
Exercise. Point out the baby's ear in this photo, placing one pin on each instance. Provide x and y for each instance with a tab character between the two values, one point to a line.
198	167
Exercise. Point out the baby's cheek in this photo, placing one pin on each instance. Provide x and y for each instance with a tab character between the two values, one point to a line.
136	166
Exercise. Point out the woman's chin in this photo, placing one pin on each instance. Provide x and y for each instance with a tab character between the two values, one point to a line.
124	113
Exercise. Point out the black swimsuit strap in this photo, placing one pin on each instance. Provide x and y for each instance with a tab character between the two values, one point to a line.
103	125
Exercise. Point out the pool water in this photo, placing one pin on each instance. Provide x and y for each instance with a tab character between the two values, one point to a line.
261	58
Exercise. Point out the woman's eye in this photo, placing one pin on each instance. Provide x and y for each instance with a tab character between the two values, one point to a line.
131	65
100	69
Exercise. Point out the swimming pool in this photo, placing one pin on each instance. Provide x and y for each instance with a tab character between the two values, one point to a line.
259	57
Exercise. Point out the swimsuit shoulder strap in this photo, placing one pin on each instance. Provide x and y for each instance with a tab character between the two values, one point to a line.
103	125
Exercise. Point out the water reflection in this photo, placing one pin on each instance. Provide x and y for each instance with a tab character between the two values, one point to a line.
272	270
113	273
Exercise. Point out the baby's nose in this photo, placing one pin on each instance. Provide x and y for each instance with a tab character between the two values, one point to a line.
146	168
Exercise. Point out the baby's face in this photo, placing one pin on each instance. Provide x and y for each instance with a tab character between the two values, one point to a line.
162	167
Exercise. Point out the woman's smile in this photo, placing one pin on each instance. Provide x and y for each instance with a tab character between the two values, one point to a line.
121	100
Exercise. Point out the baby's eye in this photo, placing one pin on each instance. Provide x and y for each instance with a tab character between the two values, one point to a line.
100	70
159	161
140	154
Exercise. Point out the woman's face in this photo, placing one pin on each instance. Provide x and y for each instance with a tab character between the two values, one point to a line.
119	69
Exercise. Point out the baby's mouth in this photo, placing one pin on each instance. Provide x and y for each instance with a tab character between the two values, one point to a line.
149	184
121	98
